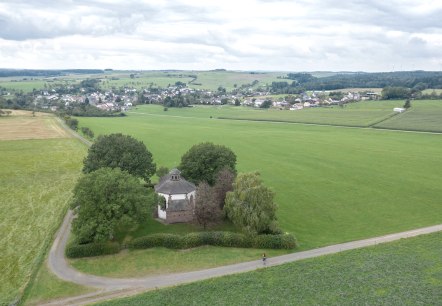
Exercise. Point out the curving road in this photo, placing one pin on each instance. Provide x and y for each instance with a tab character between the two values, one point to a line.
116	287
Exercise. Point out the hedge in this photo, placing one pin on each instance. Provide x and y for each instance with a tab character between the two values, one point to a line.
224	239
92	249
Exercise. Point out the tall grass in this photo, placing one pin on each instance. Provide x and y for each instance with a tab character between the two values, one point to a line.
36	180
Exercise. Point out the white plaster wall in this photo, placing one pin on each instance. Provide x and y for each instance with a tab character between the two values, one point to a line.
161	213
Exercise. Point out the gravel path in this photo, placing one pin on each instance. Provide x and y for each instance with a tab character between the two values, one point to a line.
118	287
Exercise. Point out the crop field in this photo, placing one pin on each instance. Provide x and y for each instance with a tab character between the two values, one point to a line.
36	179
360	114
332	184
25	85
406	272
422	116
210	80
213	79
22	125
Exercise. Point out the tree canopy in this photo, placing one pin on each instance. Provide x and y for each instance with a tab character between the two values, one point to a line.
122	151
203	162
108	200
250	205
207	209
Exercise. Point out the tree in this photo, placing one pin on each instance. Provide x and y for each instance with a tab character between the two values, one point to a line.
123	151
266	104
72	123
250	205
237	102
223	184
87	132
203	161
407	104
162	171
107	201
207	210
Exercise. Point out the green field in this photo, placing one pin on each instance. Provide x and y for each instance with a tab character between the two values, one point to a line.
46	286
424	115
360	114
157	261
406	272
210	80
332	184
213	79
36	179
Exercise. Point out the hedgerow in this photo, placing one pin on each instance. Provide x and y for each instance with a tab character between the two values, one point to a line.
92	249
223	239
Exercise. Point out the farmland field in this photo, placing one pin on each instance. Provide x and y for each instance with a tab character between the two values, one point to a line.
360	114
406	272
36	179
332	184
22	125
422	116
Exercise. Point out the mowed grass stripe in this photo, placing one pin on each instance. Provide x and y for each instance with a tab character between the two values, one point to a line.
332	185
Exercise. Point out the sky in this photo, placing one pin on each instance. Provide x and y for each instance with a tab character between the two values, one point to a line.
269	35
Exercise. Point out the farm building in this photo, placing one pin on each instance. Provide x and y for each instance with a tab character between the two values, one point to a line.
179	198
399	109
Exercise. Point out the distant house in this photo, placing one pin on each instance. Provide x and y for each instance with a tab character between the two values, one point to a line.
399	110
179	196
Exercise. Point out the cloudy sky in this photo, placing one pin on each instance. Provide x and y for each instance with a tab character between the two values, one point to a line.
296	35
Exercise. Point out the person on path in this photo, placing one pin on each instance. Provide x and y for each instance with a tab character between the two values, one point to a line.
264	259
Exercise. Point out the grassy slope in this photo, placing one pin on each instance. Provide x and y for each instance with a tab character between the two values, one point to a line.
47	287
407	272
36	179
161	261
332	184
424	115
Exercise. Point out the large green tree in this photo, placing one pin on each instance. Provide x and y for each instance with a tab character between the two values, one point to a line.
106	201
203	162
122	151
250	205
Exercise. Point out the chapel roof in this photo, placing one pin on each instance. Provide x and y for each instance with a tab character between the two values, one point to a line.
173	183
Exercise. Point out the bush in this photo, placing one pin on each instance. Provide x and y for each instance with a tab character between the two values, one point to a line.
92	249
223	239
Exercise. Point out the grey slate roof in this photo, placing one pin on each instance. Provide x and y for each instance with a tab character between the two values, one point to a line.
167	185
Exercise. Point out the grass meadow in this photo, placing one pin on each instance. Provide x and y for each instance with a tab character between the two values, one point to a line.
424	115
360	114
36	179
406	272
46	286
332	184
158	261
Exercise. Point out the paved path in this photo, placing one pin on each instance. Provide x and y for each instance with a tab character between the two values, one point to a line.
116	287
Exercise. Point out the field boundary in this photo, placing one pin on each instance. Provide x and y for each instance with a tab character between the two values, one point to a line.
330	125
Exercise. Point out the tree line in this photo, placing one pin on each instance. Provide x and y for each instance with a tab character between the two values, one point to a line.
418	80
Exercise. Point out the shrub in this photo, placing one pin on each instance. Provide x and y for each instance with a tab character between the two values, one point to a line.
224	239
192	240
92	249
